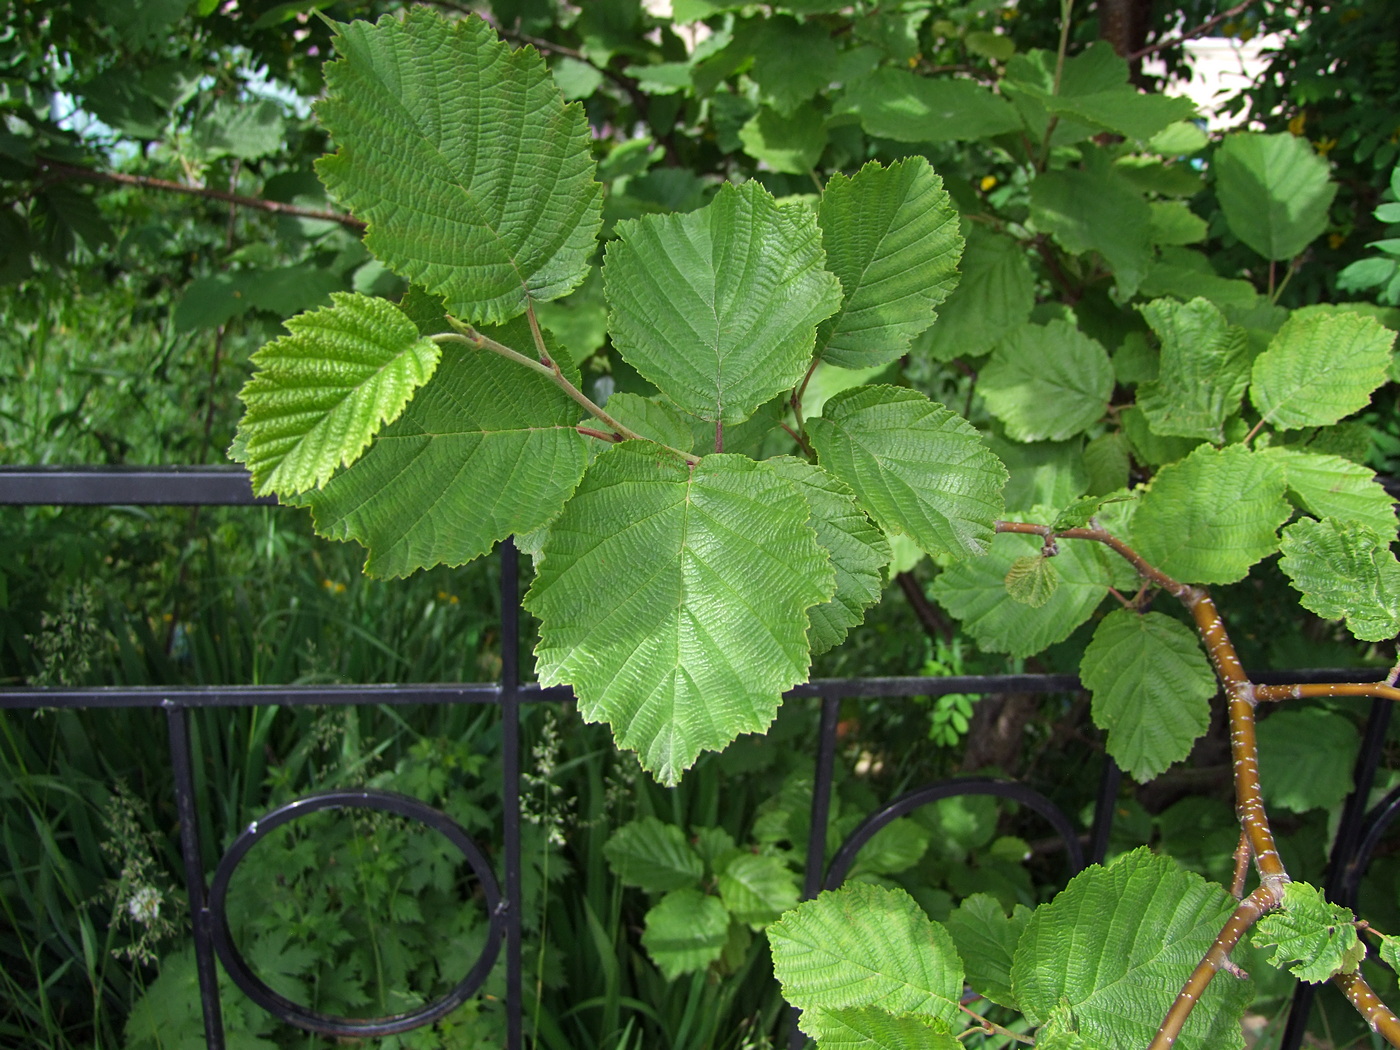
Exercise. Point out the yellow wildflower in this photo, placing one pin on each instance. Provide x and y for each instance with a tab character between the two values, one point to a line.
988	181
1324	145
1297	123
1336	240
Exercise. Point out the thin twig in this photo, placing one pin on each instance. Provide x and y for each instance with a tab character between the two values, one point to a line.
1190	34
59	170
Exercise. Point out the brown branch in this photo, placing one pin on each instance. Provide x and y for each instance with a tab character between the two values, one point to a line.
933	623
1376	1014
1190	34
1379	690
1264	899
59	170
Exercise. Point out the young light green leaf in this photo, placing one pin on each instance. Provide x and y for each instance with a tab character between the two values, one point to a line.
1203	372
896	847
454	149
322	392
859	551
897	104
864	945
1151	685
917	467
757	888
685	932
484	450
718	308
994	296
986	940
653	855
1209	517
1319	368
1306	757
1150	923
1081	512
1032	580
1097	210
891	237
674	599
1274	191
1345	569
1047	382
974	593
1390	951
1333	487
1313	937
871	1028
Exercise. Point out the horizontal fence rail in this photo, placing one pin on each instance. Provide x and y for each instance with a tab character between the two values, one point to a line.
1359	831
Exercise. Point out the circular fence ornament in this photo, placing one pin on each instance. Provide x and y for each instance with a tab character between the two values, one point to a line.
327	1024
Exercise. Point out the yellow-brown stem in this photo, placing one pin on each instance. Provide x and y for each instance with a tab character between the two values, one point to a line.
1381	690
1379	1016
1265	898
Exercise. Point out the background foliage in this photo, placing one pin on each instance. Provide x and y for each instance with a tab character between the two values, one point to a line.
132	311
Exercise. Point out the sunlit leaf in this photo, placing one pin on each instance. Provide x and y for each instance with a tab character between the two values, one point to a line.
1047	382
1312	937
1345	569
1203	372
685	932
1274	191
1319	368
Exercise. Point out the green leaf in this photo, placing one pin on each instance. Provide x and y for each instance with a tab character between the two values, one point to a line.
456	149
1148	447
864	945
891	237
1209	517
674	599
321	393
243	129
917	467
1203	372
757	888
685	932
1049	473
1049	382
1319	368
1093	89
1313	938
485	449
986	940
654	419
1149	923
974	593
791	143
994	297
1306	757
896	104
859	551
1032	580
1173	222
791	62
1274	191
896	847
653	855
718	308
871	1028
1345	569
1151	685
1097	210
1106	462
1333	487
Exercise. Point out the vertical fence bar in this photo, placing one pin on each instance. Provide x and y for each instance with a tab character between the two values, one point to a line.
1104	808
510	775
821	797
182	763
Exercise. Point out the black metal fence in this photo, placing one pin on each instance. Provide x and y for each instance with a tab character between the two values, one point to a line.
1360	829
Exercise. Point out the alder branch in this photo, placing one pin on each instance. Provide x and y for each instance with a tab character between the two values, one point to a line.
1376	1014
58	170
1264	899
1190	34
1377	690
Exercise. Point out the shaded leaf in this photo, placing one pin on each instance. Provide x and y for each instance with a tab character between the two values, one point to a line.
896	104
653	855
685	932
1274	191
1306	757
994	296
986	940
1097	210
757	888
792	143
858	550
871	1028
1032	580
1047	382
